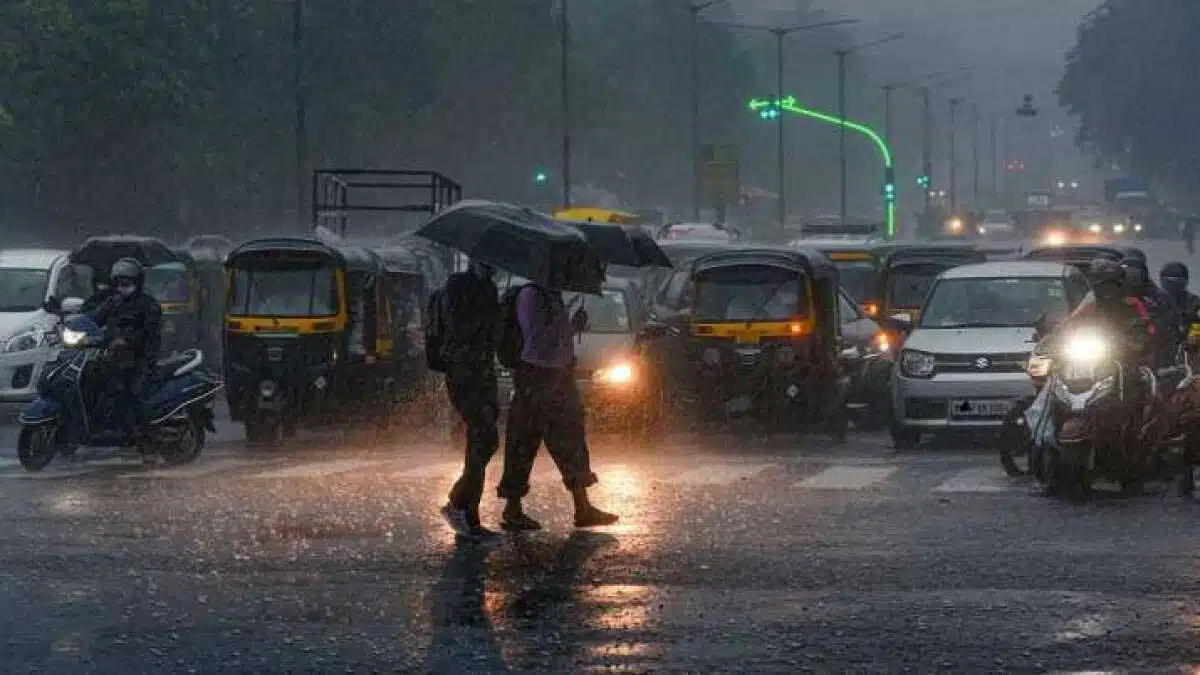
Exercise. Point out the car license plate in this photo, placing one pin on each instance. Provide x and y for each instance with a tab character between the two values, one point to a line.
980	408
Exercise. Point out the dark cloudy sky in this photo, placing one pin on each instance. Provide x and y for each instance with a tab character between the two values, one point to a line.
1012	46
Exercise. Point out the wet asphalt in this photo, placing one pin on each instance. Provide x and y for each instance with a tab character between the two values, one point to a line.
735	553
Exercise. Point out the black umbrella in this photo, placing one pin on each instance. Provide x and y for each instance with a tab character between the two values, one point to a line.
627	245
100	253
520	241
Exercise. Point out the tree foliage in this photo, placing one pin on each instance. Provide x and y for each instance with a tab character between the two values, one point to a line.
1130	80
177	117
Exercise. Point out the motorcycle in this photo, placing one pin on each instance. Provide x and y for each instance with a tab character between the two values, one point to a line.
76	409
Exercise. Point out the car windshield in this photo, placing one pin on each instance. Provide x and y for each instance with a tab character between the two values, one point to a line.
607	312
908	285
168	282
284	290
697	231
749	293
858	278
994	303
22	289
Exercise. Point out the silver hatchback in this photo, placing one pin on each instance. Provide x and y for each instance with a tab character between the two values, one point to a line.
962	367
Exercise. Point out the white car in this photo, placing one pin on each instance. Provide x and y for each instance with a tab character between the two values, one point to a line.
27	278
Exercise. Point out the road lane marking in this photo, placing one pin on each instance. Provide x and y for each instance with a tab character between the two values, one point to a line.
715	474
319	469
984	479
195	470
847	478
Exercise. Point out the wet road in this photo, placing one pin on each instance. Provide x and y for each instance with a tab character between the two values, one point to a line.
734	553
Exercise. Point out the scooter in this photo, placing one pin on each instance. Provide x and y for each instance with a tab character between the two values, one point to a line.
74	408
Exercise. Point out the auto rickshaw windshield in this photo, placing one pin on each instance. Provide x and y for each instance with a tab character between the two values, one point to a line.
607	312
750	293
908	285
168	283
858	277
291	288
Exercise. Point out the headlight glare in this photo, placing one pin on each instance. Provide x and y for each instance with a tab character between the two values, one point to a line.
621	373
1086	348
73	338
917	364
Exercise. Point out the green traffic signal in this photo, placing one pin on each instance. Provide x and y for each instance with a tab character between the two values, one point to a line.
541	178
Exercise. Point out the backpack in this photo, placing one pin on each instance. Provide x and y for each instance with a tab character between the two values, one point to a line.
510	343
435	331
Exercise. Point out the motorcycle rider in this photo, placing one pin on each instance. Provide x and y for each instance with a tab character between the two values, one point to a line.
1163	312
1114	303
1174	280
131	319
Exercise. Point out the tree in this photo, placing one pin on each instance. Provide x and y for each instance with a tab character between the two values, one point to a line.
1130	81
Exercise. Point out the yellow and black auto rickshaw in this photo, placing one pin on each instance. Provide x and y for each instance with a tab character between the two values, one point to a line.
182	298
858	269
308	337
908	272
754	331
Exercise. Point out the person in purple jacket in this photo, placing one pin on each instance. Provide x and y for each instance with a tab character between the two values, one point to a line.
547	406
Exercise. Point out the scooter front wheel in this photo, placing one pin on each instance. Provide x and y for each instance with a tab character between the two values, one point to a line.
37	446
186	448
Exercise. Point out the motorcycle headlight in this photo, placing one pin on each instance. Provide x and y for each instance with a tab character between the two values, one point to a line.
618	374
1085	348
22	342
917	364
73	338
267	388
881	343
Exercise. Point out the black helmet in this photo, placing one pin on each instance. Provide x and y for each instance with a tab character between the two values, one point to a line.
1136	271
1174	269
127	268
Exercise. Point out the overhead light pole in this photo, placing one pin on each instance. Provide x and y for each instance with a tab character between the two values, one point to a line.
694	10
564	34
927	130
954	103
780	34
841	63
300	127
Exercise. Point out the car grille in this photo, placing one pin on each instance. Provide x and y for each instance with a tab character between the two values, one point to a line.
981	363
925	408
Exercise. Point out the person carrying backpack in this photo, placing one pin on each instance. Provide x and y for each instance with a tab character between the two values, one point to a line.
536	342
461	342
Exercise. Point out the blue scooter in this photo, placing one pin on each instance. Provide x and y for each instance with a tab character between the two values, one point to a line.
76	409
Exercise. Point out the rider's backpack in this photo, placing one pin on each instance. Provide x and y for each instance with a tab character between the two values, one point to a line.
435	331
508	347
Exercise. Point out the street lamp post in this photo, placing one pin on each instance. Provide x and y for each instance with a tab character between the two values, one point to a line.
841	63
954	103
564	26
779	34
974	155
301	123
694	10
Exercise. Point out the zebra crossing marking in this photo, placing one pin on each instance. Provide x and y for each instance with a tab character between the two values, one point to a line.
847	478
319	469
980	479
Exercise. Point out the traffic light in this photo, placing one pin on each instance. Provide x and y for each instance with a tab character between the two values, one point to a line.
924	181
889	185
769	112
541	177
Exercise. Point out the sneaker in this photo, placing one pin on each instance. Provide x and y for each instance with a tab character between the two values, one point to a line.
519	522
456	518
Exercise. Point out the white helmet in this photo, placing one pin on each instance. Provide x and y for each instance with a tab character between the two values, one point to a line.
126	268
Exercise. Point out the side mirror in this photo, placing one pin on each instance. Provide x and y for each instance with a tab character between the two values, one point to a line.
848	353
654	330
52	305
901	322
72	305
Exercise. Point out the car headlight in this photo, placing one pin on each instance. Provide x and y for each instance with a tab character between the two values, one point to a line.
267	388
22	342
917	364
1085	348
1137	227
954	225
1119	228
73	338
982	229
1095	228
711	356
621	373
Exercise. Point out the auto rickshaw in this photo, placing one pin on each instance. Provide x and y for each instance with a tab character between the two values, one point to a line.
180	295
1081	256
858	271
308	337
753	330
909	270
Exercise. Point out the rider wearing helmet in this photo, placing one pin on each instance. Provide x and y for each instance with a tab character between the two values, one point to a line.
131	319
1161	307
1114	304
1174	280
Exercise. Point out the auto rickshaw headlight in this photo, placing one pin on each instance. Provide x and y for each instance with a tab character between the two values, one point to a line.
711	356
267	388
785	355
